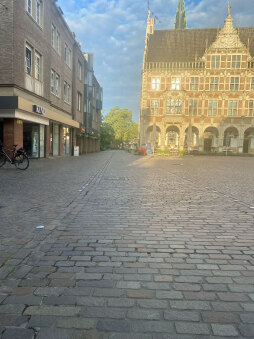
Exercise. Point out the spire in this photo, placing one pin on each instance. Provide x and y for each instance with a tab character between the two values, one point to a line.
180	20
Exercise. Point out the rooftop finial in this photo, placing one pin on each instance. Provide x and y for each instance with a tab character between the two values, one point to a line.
229	9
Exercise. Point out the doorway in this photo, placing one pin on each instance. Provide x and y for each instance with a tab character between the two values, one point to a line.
208	145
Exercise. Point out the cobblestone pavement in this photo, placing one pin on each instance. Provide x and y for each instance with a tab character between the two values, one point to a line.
132	248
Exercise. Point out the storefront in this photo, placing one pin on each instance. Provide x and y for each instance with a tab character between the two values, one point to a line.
1	129
34	139
66	141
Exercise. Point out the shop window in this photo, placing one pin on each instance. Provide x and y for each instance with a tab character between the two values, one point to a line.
215	61
193	107
232	108
214	84
212	107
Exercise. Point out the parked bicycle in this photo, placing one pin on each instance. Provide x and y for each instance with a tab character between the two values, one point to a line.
19	157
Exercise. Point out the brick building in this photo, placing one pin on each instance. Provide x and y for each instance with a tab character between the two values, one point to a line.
42	75
198	87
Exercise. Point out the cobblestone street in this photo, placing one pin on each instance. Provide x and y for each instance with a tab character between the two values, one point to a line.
132	248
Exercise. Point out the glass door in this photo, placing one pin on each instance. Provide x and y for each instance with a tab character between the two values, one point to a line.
55	139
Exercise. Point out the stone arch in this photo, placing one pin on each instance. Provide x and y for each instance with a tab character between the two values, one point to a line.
172	137
153	136
191	139
248	141
231	138
211	137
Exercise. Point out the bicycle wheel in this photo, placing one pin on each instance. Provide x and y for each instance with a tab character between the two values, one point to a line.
2	160
21	161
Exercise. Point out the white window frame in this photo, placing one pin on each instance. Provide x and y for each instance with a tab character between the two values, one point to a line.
251	108
232	108
58	42
193	107
234	83
154	107
38	12
53	35
214	83
212	108
52	81
29	48
79	104
156	83
79	70
252	84
194	83
236	61
57	85
37	66
215	61
68	93
175	83
29	7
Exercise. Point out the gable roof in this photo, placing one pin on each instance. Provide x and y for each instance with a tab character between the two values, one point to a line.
188	45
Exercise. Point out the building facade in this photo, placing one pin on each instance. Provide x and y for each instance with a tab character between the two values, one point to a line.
198	88
89	139
42	75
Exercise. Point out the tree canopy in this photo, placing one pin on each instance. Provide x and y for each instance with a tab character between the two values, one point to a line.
119	121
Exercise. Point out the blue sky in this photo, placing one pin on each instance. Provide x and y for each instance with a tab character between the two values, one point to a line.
114	30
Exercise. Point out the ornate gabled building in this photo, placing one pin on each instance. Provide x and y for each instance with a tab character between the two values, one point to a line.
198	87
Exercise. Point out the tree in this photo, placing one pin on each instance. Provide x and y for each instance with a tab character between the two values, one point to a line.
107	135
121	122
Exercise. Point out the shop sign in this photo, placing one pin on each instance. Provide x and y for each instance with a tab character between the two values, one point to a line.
38	109
83	130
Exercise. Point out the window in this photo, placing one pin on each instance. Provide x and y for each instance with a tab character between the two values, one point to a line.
215	62
251	108
194	82
29	6
193	107
57	85
58	46
156	84
79	101
65	91
175	84
38	12
174	106
236	61
67	55
37	66
52	82
79	70
234	83
28	60
68	93
212	107
232	108
53	36
214	84
154	107
252	84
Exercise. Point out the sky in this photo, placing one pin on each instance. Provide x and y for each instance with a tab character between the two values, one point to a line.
114	30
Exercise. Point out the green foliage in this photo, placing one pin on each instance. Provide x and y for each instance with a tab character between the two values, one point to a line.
182	152
166	152
120	120
107	136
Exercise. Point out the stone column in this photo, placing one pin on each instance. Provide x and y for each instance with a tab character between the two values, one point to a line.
13	133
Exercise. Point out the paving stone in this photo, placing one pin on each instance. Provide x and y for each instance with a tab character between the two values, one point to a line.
52	310
23	299
224	330
113	326
220	317
13	320
192	328
247	318
247	330
140	294
18	333
181	315
103	312
188	305
143	314
55	333
152	303
11	309
73	322
146	326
